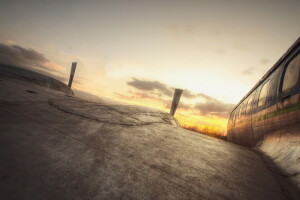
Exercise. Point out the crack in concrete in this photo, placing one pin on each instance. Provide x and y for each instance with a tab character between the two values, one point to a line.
52	103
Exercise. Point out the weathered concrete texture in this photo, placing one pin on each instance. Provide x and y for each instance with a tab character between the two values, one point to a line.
281	150
113	114
34	77
57	147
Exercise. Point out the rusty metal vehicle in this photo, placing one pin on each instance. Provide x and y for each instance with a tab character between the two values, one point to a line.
272	105
268	120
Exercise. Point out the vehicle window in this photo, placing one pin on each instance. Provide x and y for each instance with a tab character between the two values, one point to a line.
263	94
232	117
240	110
291	75
248	109
244	107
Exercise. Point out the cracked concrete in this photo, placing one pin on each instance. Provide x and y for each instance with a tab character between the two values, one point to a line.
113	114
53	146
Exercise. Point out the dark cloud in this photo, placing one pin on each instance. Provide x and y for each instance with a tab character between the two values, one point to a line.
19	56
151	90
150	86
190	95
214	107
205	97
16	55
209	106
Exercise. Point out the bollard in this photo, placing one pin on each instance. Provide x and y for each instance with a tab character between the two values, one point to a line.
72	74
176	98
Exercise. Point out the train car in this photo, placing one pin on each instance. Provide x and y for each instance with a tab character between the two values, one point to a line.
272	105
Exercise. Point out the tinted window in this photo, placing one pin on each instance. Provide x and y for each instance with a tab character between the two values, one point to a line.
263	94
244	107
248	109
232	117
291	75
240	111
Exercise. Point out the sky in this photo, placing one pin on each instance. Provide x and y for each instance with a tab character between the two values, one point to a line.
137	52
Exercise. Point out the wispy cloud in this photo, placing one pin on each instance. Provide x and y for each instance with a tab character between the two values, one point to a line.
150	86
19	56
208	105
162	93
16	55
214	107
190	95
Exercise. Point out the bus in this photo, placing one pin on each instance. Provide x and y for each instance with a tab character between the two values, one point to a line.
271	106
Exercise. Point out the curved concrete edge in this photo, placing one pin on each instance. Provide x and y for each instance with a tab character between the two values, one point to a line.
35	77
281	151
126	115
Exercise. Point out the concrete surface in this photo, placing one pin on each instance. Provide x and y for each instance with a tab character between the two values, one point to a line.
34	77
281	151
55	146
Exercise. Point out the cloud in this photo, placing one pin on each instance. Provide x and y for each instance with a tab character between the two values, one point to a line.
209	106
214	107
190	95
205	97
151	86
19	56
16	55
162	93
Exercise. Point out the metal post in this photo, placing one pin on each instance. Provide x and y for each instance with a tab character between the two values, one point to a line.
176	98
72	73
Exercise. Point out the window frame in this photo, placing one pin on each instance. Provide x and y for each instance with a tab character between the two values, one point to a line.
232	117
267	95
250	106
240	110
297	85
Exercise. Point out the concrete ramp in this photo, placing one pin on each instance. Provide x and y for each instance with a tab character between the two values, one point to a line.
53	146
281	151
